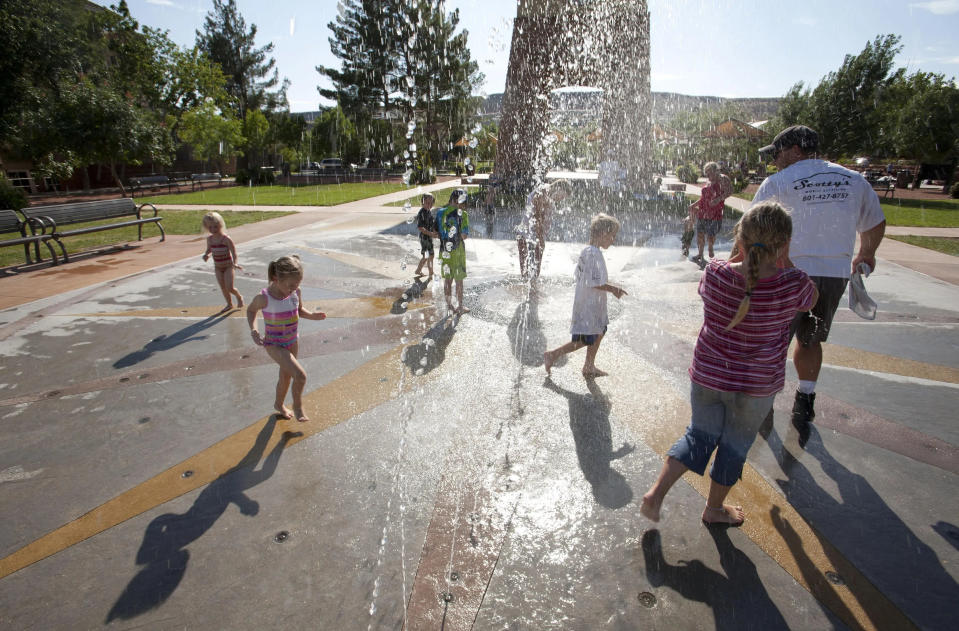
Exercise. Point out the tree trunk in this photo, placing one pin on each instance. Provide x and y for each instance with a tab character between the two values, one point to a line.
950	173
116	178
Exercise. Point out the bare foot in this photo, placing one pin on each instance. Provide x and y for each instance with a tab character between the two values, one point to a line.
239	302
283	412
650	508
728	514
226	308
302	417
462	310
594	372
548	361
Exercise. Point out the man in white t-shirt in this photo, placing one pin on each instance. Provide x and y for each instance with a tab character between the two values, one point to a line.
829	204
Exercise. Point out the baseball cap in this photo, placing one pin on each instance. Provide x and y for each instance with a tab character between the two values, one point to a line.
797	135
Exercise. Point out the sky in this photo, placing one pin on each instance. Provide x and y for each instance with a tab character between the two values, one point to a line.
710	48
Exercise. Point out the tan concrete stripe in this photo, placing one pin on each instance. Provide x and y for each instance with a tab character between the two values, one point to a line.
386	268
650	410
355	392
364	307
877	362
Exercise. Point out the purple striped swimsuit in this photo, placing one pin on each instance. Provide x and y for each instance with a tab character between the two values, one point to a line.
280	318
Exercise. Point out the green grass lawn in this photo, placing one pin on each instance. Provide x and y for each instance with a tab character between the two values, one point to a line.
931	213
174	222
316	195
946	245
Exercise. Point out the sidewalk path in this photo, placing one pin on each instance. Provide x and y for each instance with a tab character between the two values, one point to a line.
139	256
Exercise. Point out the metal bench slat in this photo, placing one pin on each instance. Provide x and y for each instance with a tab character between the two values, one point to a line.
83	212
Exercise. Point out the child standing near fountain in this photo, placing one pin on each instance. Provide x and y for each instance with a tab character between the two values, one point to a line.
221	246
453	226
739	362
425	224
590	316
282	308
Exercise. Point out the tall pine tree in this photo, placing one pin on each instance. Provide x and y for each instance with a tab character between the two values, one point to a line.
251	75
402	62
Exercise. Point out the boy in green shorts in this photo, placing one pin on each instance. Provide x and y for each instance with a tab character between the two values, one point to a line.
453	225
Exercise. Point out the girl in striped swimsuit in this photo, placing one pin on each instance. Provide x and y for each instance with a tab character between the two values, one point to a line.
282	308
739	362
224	257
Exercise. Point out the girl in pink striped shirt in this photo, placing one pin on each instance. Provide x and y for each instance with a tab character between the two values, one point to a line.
282	308
739	363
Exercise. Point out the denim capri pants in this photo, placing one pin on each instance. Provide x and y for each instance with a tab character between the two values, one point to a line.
726	422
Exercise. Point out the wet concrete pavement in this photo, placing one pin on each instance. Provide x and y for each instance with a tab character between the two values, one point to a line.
443	481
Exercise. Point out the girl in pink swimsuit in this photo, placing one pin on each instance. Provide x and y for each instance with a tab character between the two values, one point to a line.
224	257
282	307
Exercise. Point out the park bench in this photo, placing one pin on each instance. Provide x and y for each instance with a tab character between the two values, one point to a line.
50	219
676	188
200	178
150	182
10	223
886	187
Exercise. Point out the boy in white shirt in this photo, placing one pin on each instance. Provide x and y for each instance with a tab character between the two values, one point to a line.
590	316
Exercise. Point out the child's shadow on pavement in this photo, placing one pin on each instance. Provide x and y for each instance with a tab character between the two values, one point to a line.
729	593
163	550
167	342
589	422
431	351
415	290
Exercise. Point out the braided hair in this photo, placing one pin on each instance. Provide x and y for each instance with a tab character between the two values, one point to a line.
763	231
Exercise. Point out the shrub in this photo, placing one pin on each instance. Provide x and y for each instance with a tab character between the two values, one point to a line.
687	173
259	176
10	196
954	190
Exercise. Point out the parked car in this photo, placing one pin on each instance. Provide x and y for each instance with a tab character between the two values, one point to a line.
330	163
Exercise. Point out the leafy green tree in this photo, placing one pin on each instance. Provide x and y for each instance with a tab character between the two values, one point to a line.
91	124
188	80
255	129
847	105
487	139
40	39
794	109
284	137
924	122
334	134
925	118
211	134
